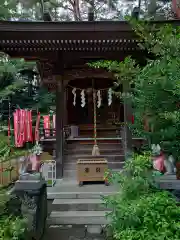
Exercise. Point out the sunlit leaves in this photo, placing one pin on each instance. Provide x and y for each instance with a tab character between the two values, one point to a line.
123	71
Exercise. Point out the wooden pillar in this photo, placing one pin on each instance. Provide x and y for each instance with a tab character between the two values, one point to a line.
126	133
65	106
59	125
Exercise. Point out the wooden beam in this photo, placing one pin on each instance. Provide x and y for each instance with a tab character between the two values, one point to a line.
126	133
73	27
59	125
60	118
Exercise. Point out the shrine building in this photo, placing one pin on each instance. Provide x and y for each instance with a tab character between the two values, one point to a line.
62	51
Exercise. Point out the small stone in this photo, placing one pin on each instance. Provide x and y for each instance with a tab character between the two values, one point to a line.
54	226
69	226
94	229
99	238
73	238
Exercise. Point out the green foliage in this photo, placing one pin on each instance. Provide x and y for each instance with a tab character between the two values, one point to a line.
158	86
139	166
11	227
136	174
44	100
153	216
139	210
8	9
156	95
10	78
3	200
15	88
8	152
123	71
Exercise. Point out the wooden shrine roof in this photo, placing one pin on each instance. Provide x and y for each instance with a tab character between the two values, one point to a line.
66	36
69	36
48	41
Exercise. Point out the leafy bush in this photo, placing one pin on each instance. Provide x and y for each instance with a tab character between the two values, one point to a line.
141	211
150	216
8	152
156	92
11	227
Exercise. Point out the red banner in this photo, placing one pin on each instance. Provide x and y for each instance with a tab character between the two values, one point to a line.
47	125
54	124
29	136
22	127
36	135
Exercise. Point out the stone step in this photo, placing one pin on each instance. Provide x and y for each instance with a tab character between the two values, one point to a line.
78	205
72	174
99	128
79	195
75	232
103	145
69	189
78	217
109	157
99	134
88	151
111	165
90	140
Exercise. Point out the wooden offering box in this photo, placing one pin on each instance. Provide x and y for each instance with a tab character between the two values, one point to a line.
91	170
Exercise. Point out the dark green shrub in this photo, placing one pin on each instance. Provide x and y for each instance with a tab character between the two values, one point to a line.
139	211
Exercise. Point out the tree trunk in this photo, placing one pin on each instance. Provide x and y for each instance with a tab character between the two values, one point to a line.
76	9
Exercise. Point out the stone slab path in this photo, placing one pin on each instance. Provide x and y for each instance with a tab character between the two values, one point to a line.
73	211
59	232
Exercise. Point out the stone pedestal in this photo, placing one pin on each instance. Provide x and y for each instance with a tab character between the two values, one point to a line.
33	197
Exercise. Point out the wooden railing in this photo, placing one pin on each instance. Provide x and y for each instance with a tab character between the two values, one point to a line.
51	133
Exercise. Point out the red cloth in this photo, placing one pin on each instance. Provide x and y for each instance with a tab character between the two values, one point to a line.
22	127
132	119
29	136
18	136
36	135
158	163
47	125
15	126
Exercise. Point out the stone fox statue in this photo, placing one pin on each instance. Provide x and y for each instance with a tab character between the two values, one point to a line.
162	162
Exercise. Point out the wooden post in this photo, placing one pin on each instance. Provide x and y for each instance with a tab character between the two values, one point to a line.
65	106
59	125
126	133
